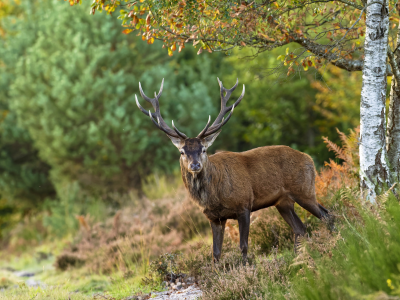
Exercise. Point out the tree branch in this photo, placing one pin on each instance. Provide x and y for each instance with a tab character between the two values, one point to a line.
322	51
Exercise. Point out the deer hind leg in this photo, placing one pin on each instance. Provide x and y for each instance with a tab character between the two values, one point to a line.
310	204
218	230
286	209
244	228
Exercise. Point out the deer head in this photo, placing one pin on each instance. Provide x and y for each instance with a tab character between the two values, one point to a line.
193	150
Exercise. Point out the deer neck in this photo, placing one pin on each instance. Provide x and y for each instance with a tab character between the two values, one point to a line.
200	185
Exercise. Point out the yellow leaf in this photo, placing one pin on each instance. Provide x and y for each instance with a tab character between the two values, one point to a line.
150	41
281	57
170	53
126	31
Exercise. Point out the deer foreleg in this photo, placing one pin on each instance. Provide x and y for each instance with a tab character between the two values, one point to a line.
218	230
244	228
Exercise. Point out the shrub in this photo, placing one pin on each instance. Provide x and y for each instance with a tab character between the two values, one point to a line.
269	230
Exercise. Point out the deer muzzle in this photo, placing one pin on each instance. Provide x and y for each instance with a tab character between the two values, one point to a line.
195	166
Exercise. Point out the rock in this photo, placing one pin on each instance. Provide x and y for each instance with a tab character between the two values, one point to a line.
24	274
190	293
33	283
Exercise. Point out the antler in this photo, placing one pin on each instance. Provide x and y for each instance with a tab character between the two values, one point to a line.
160	121
220	121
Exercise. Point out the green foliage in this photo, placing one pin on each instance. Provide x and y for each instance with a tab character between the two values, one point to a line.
283	110
23	176
365	262
69	121
74	93
60	217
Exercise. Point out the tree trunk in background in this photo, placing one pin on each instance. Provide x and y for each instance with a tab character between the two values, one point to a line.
373	167
393	126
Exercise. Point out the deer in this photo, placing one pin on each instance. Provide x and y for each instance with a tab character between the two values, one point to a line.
231	185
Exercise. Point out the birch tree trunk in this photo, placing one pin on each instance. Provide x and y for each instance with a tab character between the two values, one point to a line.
393	126
373	167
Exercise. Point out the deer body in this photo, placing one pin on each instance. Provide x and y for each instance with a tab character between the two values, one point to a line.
232	182
230	185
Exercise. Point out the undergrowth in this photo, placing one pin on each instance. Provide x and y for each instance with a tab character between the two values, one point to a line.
360	259
145	243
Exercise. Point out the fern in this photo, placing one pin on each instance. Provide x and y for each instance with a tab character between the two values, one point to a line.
339	152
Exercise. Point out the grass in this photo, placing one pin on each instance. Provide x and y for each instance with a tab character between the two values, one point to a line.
114	252
75	283
359	260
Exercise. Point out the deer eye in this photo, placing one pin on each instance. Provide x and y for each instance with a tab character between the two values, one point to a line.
204	150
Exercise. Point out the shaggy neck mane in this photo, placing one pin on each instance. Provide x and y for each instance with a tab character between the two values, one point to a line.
199	185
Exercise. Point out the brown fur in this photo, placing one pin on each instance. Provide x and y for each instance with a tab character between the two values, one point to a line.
267	176
231	185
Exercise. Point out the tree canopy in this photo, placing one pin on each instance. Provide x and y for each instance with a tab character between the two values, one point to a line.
327	31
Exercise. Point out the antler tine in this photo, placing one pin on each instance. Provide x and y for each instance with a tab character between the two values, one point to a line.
220	121
219	126
160	121
181	134
205	128
224	100
142	109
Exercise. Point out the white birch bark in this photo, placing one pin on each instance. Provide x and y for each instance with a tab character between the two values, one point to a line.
373	167
393	126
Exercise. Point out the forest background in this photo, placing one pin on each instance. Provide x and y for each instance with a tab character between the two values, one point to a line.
69	122
75	150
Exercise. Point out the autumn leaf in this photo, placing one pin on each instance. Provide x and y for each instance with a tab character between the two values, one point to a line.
127	31
135	20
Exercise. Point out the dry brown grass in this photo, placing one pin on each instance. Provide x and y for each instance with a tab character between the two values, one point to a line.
134	235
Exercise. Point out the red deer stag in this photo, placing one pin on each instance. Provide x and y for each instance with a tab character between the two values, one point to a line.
229	185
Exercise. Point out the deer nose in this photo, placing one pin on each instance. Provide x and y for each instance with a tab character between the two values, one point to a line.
195	166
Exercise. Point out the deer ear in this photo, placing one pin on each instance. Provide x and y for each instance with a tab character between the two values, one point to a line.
209	140
176	141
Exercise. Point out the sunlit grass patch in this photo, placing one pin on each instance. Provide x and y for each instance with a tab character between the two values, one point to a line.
53	293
